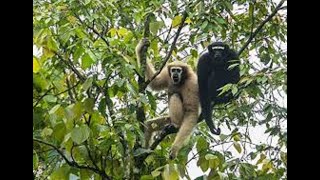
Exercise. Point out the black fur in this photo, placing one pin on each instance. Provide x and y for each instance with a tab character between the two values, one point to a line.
213	73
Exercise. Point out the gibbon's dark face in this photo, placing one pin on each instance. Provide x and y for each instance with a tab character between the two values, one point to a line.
218	51
176	74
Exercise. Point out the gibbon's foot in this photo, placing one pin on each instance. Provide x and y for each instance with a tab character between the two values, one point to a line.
173	153
145	42
168	129
216	131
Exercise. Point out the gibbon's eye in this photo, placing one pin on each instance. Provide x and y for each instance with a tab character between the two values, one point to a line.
176	70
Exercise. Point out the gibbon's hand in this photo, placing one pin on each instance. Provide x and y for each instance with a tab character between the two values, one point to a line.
145	43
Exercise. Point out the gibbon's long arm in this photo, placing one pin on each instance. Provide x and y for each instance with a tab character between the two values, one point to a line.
160	82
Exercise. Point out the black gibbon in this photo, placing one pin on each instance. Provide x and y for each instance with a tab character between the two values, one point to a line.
181	83
213	73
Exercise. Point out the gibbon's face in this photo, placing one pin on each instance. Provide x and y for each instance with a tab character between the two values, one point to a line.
176	74
218	51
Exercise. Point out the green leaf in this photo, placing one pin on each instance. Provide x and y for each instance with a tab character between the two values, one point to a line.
202	144
262	157
267	166
35	160
78	52
204	177
80	134
102	106
188	21
154	47
203	163
194	53
156	172
234	89
223	137
59	132
54	109
85	174
170	172
122	32
228	5
86	2
147	177
50	98
236	137
140	151
283	157
77	110
232	66
46	132
112	32
88	105
87	61
247	171
220	20
36	65
62	173
214	162
69	113
176	21
237	146
52	44
87	84
204	25
253	155
79	32
155	26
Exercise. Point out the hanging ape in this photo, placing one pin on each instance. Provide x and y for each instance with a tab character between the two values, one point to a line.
181	83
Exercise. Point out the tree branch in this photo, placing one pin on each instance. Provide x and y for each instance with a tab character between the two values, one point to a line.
70	65
261	26
141	116
73	163
93	29
46	93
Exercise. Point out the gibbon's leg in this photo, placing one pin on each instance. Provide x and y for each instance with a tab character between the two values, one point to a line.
189	122
176	110
152	125
209	105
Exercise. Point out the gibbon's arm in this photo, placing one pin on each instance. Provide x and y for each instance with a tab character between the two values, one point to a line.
160	82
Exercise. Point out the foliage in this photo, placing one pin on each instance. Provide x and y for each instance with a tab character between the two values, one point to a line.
87	119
